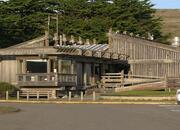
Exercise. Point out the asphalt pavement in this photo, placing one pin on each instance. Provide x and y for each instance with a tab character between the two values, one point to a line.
91	117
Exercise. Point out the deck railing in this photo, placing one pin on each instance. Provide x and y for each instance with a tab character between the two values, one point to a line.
121	79
45	79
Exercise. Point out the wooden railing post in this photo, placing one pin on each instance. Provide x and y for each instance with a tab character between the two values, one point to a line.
48	78
24	78
36	78
129	75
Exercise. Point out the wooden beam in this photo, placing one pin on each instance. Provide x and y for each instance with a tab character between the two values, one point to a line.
87	53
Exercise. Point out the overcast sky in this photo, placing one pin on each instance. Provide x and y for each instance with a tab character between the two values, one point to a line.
167	4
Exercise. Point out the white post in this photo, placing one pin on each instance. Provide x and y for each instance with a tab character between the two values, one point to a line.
94	95
17	95
27	96
169	90
37	95
81	96
69	95
122	78
48	96
7	95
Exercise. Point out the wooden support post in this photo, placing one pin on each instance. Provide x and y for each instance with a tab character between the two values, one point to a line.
48	66
59	66
37	95
19	69
93	81
84	74
81	96
94	96
72	67
69	98
24	66
17	95
129	75
7	95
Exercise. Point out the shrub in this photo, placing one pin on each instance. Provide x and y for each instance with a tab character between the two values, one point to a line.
6	87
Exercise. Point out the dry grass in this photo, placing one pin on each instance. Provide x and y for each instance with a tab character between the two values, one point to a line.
7	109
171	21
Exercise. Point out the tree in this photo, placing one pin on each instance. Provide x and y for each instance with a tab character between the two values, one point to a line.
97	16
21	20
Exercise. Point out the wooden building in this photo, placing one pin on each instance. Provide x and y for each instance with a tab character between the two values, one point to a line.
35	65
146	57
48	65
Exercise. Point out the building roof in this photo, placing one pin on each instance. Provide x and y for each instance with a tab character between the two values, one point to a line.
91	50
38	46
91	47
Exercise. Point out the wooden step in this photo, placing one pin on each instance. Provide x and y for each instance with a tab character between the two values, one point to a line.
42	92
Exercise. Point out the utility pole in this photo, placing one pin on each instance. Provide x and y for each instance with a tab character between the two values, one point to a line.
57	24
49	20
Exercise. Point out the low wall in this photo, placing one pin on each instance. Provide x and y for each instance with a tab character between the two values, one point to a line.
138	98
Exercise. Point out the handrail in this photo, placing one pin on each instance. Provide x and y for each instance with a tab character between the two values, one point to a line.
47	77
122	79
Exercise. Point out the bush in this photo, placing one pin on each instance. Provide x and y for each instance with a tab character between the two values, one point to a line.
6	87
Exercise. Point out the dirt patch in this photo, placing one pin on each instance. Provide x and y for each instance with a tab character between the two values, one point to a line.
7	109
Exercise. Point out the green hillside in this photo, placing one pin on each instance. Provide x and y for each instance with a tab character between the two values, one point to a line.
171	21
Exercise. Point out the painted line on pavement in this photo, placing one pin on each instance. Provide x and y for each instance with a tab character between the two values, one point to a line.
80	102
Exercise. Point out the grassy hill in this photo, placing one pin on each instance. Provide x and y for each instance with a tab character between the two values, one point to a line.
171	21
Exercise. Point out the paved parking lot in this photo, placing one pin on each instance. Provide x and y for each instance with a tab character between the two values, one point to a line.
91	117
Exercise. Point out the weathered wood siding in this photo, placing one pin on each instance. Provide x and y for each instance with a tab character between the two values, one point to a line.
147	57
8	71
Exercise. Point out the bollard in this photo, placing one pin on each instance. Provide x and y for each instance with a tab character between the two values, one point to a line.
69	95
81	96
17	95
169	90
27	96
7	95
37	95
94	95
48	96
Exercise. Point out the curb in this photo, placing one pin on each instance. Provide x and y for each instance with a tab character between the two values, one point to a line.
83	102
139	99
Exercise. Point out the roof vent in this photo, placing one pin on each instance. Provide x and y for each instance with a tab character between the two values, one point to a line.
175	42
